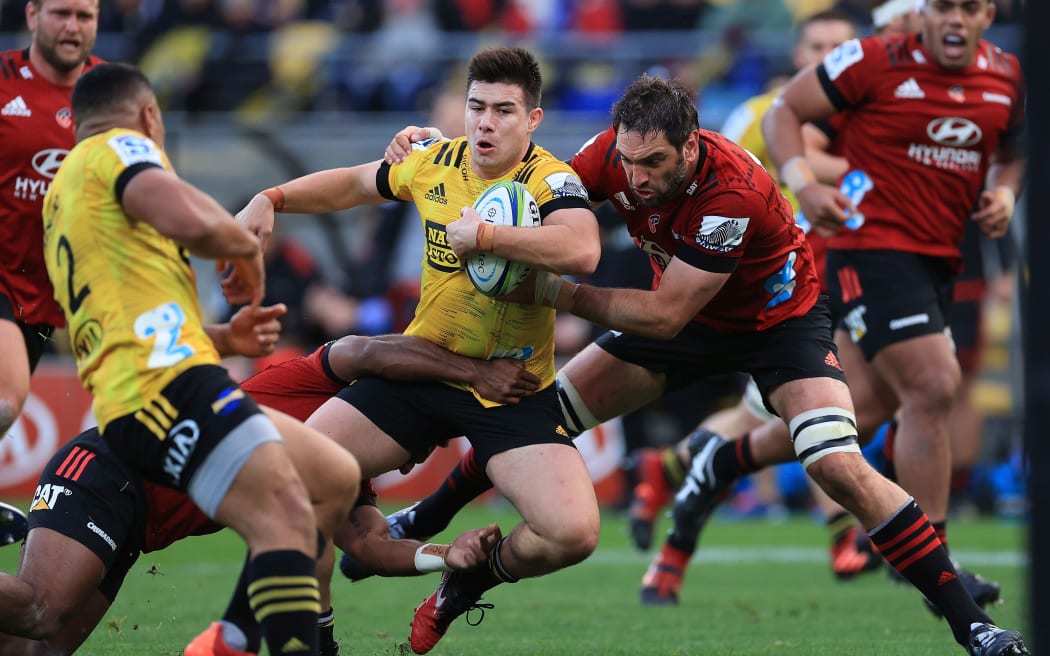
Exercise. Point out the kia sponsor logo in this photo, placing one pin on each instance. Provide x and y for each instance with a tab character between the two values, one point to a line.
954	131
46	162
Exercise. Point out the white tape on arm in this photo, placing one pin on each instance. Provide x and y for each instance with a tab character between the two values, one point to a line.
1007	197
431	558
796	174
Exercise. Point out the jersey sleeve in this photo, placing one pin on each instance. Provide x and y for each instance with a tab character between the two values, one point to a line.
128	154
848	71
589	161
555	187
718	232
1013	137
394	181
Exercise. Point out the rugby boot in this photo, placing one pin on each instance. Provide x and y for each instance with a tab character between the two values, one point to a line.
210	643
13	524
402	524
649	496
990	640
852	554
663	580
436	613
352	569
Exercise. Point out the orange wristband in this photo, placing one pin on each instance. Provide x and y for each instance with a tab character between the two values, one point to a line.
486	238
276	196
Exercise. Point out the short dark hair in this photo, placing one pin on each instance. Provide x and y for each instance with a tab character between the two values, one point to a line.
106	86
652	105
510	66
833	15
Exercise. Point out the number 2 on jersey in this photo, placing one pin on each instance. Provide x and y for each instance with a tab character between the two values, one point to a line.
76	298
164	324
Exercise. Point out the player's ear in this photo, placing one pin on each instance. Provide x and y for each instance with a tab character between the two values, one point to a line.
691	147
535	118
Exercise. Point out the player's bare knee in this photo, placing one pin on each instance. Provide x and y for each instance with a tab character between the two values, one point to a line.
343	484
839	476
575	539
291	502
10	406
934	390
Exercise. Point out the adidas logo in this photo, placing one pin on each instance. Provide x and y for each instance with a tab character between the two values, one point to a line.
16	107
945	577
437	194
909	89
832	361
294	644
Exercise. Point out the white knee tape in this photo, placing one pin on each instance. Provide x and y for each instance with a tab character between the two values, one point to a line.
577	417
817	433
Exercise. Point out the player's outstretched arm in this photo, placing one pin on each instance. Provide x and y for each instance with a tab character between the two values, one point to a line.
317	193
252	332
403	357
366	538
180	211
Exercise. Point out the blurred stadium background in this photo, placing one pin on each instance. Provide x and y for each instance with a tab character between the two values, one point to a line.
259	91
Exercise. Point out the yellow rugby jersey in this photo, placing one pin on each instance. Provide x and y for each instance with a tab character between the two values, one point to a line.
438	178
744	127
128	292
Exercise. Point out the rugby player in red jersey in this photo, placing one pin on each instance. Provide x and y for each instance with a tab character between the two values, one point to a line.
734	290
36	129
83	542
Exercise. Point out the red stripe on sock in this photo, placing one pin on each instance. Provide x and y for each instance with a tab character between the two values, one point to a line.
911	544
903	535
917	555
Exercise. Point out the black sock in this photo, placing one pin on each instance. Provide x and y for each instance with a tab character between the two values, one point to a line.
673	467
326	631
239	612
284	597
733	460
909	544
464	484
838	524
941	528
480	579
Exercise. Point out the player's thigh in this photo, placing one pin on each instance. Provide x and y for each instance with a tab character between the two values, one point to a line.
873	399
267	502
375	451
64	575
921	366
797	396
549	486
330	472
14	383
609	386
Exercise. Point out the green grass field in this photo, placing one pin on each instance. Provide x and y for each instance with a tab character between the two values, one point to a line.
754	588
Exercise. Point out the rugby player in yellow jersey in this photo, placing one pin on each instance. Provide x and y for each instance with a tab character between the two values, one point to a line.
523	448
119	229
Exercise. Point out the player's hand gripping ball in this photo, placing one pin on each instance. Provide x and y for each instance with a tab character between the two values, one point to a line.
506	203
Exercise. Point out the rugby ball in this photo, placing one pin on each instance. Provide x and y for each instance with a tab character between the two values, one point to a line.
506	203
